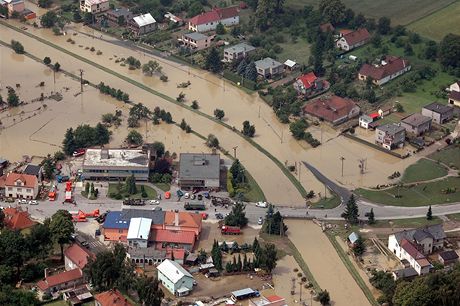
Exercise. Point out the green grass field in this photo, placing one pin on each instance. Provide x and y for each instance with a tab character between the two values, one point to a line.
455	217
407	223
151	193
254	193
423	170
163	186
327	203
438	24
298	52
400	11
420	195
449	156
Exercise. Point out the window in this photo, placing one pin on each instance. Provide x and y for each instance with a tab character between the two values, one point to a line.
28	190
19	190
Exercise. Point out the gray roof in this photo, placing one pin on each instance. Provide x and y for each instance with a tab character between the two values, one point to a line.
266	63
416	120
438	108
199	166
157	216
448	255
243	292
32	170
407	272
147	252
242	47
366	118
435	231
391	128
196	36
122	11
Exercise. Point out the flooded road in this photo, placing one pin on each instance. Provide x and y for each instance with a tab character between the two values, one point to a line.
324	263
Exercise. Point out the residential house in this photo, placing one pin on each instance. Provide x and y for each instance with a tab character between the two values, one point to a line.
455	86
454	98
199	170
60	281
17	219
438	112
142	24
405	273
271	300
175	278
34	170
17	6
23	186
364	121
94	6
76	256
167	239
352	39
388	69
196	41
390	136
139	232
119	16
183	221
113	297
173	18
307	83
208	21
269	68
237	52
290	65
416	124
448	258
332	109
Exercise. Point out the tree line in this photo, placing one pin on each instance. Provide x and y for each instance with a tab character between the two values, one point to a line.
85	136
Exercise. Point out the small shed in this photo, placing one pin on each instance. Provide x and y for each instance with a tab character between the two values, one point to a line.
353	237
290	65
191	259
448	257
212	273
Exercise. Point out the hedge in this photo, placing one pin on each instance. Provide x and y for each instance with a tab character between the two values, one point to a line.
238	79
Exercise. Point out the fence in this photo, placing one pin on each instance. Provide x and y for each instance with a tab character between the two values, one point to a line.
238	79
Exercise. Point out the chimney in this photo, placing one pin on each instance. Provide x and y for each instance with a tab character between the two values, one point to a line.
176	218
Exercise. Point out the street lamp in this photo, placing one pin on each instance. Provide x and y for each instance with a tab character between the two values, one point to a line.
342	159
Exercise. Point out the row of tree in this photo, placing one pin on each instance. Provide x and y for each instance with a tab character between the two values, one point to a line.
85	136
115	93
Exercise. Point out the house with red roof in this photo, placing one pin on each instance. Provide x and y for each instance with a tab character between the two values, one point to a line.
165	239
112	297
61	281
208	21
388	69
76	256
350	40
23	186
183	221
307	83
17	219
332	109
271	300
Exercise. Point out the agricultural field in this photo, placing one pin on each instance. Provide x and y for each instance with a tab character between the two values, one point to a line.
400	12
423	170
438	24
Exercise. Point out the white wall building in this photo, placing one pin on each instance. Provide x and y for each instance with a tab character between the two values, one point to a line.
138	232
23	186
175	278
94	6
208	21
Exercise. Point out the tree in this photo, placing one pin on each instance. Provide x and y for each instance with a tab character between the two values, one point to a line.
17	46
241	68
158	148
237	217
219	113
212	141
385	282
49	19
384	25
332	11
77	16
408	49
130	185
212	61
195	104
88	18
449	51
2	219
44	3
39	242
48	167
220	29
69	142
102	134
134	138
61	228
264	14
270	257
297	128
12	99
431	50
351	211
371	217
429	214
149	291
248	129
57	66
46	61
12	249
121	20
251	72
87	185
216	255
359	247
324	297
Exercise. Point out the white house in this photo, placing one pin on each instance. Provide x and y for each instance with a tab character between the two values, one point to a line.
352	39
413	245
142	24
364	121
94	6
388	69
175	278
455	86
138	232
208	21
24	186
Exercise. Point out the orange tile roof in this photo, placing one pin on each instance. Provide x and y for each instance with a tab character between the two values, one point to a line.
61	278
27	179
173	236
78	255
17	219
185	219
2	181
112	298
274	298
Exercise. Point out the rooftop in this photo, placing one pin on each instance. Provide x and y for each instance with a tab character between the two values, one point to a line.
94	2
411	249
391	128
266	63
139	228
389	66
290	63
60	278
353	237
199	166
416	120
438	108
182	237
17	219
215	15
186	219
27	180
173	271
448	255
196	36
112	298
357	36
454	95
77	255
366	118
116	158
436	231
330	108
244	291
144	20
121	219
406	272
308	80
121	11
32	169
241	47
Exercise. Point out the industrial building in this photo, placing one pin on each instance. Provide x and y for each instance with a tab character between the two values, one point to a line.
199	170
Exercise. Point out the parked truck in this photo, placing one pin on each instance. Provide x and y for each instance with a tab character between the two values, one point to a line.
230	230
195	205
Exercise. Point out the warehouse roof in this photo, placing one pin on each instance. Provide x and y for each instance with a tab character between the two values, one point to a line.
116	158
139	228
199	166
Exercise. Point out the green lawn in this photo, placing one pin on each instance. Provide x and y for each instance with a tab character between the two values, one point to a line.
298	52
407	223
327	203
438	24
151	193
400	12
253	193
455	217
163	186
449	156
423	170
420	195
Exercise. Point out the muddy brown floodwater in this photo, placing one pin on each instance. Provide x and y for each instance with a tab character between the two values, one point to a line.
324	263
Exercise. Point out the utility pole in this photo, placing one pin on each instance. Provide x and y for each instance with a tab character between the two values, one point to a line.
342	159
81	80
234	151
300	166
362	165
259	111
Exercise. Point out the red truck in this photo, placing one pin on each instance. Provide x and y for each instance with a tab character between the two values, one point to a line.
230	230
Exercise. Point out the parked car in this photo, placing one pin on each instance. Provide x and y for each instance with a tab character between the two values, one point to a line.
154	202
186	195
219	216
33	202
200	197
262	204
22	201
192	197
260	221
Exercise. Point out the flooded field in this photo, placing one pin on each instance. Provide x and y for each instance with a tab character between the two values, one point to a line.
324	263
283	276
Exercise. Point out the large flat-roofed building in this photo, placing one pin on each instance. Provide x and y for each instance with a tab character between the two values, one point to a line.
114	164
199	170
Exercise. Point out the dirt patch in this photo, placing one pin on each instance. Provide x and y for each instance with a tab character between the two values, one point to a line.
323	261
